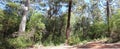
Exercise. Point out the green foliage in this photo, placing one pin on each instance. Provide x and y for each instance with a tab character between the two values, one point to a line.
114	21
115	27
35	22
4	43
55	31
74	40
13	5
98	30
7	20
36	26
85	29
9	23
1	18
20	42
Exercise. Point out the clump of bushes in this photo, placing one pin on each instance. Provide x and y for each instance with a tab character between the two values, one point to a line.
20	42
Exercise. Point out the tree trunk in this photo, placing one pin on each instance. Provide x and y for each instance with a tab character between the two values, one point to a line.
108	15
22	25
68	22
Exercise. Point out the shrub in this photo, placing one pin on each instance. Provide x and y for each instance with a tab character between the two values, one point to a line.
20	42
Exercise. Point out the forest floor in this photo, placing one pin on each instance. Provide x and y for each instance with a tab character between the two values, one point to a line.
90	45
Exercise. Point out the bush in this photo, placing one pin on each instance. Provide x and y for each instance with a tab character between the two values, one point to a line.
74	40
20	42
115	27
97	30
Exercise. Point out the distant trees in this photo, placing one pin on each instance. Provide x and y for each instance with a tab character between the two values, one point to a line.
48	21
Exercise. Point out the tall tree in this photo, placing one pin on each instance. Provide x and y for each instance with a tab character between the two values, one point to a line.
22	25
68	22
108	14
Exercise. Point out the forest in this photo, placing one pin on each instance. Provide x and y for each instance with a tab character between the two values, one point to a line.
26	24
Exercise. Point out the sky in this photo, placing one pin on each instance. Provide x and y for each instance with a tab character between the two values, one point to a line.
2	4
63	9
87	1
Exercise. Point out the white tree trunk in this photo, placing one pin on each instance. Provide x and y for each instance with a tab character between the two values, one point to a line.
22	25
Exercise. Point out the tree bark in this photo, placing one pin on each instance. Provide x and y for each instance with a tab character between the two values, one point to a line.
22	25
68	22
108	16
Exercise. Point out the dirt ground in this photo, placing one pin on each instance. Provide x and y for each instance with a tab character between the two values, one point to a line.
91	45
